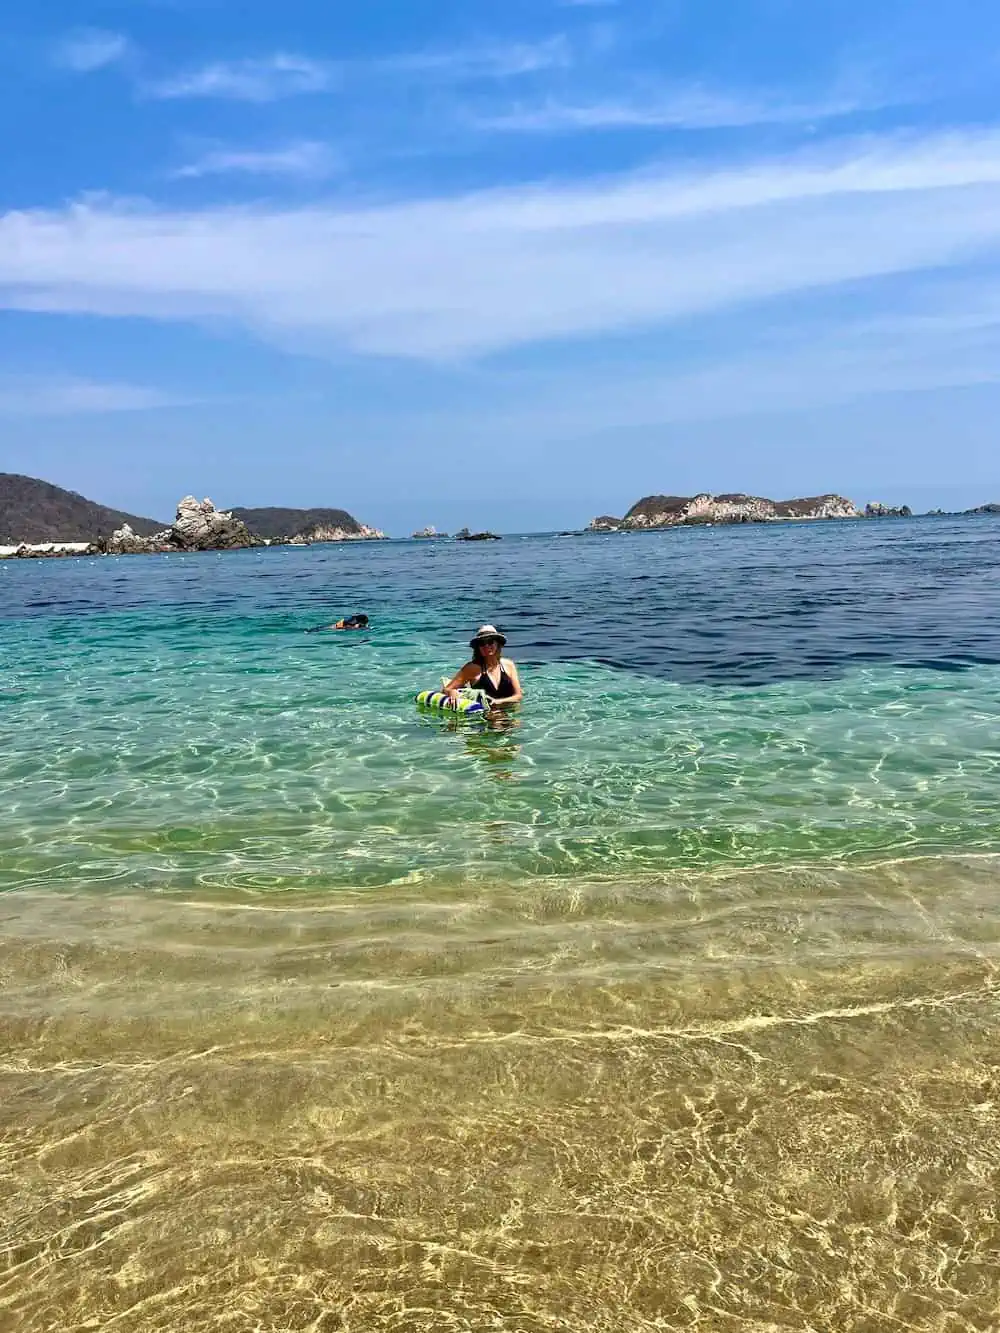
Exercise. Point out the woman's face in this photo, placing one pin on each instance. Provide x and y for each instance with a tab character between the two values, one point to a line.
490	648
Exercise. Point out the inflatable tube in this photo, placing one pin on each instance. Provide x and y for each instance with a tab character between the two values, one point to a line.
442	703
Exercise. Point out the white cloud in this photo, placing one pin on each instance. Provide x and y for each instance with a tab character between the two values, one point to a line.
307	159
495	61
264	80
91	49
281	75
41	396
683	109
466	276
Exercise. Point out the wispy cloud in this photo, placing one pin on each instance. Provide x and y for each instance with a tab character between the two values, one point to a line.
493	61
90	49
61	396
306	159
282	74
681	109
467	276
264	80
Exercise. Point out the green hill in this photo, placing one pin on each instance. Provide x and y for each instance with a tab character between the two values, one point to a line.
36	511
272	523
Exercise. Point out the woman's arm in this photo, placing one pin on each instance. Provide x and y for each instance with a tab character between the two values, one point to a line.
515	680
466	676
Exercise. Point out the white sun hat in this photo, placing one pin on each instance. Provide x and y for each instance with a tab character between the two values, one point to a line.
487	632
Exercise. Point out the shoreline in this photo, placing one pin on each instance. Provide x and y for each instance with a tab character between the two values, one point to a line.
70	550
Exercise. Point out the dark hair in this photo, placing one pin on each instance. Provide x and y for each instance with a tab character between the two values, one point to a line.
358	620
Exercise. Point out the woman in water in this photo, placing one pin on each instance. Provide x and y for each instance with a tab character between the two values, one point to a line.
496	676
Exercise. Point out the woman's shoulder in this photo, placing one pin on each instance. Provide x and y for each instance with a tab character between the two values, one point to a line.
508	662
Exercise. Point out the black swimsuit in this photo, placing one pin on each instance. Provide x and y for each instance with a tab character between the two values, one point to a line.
503	689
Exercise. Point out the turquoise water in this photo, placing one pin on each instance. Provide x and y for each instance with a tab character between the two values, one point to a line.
165	723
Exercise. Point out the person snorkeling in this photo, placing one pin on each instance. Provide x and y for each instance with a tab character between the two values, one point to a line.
488	671
348	622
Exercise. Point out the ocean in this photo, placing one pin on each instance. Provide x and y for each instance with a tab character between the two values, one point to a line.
668	1001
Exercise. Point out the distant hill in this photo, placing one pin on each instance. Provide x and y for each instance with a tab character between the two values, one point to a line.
36	511
272	523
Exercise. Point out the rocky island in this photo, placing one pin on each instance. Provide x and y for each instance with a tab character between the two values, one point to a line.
670	511
466	536
429	533
878	510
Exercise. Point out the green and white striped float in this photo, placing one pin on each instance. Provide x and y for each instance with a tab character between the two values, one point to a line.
468	704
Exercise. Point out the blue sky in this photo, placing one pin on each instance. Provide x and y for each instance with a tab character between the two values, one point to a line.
507	264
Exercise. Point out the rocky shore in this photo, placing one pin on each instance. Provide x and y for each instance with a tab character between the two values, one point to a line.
198	526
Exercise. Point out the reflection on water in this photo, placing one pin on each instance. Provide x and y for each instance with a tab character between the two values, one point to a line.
761	1100
495	744
490	740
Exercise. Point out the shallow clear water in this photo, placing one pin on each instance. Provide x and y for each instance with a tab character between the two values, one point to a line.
669	1002
166	723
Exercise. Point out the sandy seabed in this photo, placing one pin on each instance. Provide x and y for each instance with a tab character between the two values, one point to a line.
758	1101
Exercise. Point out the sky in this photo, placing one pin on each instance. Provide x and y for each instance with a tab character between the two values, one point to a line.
504	263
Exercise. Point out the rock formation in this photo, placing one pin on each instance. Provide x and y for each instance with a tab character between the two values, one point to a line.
199	526
466	536
875	509
668	511
202	527
429	532
985	509
123	541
